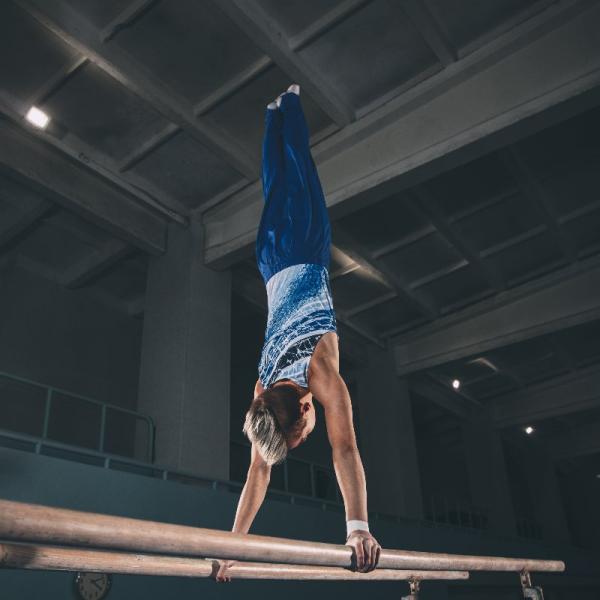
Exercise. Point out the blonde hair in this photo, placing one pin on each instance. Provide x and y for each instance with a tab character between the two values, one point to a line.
272	421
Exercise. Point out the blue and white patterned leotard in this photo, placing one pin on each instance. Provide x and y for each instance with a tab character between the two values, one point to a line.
300	311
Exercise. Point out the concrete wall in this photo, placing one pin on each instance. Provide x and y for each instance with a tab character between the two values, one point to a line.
42	479
66	338
443	473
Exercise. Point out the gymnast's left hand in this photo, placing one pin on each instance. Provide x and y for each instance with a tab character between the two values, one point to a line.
222	574
366	550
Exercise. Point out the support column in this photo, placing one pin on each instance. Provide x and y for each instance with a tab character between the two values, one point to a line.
488	476
388	445
185	363
547	498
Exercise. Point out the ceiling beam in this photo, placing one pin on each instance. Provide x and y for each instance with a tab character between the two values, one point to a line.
231	86
127	17
561	299
95	264
57	79
430	30
442	398
428	209
147	147
577	441
563	395
80	151
425	131
266	33
29	209
78	189
342	10
68	24
532	189
361	256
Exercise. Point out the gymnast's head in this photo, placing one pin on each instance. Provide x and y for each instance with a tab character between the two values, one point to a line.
279	419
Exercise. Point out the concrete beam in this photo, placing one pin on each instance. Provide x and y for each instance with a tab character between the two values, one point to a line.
265	32
579	441
551	303
442	398
31	208
431	31
68	24
496	95
425	205
561	396
532	189
125	18
78	189
376	269
82	152
92	266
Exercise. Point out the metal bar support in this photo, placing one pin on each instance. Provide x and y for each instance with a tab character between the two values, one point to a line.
47	413
102	428
415	588
529	590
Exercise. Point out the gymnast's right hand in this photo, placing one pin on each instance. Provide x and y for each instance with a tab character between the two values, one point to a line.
222	574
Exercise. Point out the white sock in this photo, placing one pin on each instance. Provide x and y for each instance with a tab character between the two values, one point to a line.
294	88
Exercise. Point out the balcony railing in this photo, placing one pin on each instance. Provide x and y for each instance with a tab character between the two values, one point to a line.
294	475
51	413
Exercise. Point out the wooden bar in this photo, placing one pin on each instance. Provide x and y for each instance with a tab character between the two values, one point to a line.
52	558
32	522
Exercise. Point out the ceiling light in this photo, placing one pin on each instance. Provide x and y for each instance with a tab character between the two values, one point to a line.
37	117
529	430
456	384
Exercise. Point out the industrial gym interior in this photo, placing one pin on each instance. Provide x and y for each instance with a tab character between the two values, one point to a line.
458	145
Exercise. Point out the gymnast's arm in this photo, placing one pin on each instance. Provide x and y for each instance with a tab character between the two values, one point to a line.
251	498
329	388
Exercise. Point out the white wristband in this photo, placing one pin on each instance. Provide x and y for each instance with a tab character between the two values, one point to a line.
354	524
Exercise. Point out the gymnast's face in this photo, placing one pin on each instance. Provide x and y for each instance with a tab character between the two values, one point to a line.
308	412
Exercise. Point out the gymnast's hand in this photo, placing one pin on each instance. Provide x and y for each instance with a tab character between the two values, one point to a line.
366	550
222	574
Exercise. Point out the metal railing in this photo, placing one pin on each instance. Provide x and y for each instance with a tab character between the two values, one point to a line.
318	481
455	511
52	399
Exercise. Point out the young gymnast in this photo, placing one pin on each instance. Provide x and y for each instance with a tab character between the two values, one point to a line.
300	357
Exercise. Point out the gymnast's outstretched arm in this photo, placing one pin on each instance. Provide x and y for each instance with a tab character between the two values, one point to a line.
329	388
251	498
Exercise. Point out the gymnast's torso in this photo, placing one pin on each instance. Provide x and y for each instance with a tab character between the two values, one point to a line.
300	312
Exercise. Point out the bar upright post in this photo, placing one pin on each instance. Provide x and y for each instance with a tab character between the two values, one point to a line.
529	590
415	588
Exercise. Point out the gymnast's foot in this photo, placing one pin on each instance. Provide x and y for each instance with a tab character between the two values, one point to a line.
272	105
293	89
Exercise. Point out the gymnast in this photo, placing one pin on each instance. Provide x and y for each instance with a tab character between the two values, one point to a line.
300	356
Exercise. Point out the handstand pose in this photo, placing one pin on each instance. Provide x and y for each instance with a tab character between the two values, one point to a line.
300	357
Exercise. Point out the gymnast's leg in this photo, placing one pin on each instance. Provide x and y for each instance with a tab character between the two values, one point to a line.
310	220
269	256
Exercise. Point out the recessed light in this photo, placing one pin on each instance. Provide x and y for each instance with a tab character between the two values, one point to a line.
529	430
37	117
456	384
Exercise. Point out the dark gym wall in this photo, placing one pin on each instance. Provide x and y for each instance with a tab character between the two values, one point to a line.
67	339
